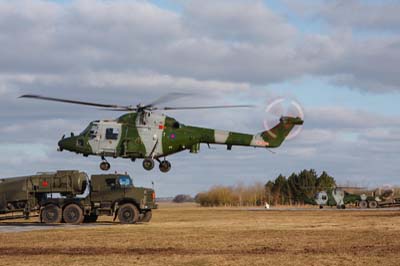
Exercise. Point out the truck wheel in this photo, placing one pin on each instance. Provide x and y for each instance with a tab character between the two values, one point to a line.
90	218
146	217
73	214
51	214
128	214
373	204
363	204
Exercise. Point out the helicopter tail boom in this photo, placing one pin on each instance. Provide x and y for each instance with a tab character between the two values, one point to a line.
276	135
271	138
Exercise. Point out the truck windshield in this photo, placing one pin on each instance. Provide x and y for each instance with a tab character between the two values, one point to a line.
125	181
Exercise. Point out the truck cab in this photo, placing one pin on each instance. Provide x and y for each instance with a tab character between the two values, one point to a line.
111	193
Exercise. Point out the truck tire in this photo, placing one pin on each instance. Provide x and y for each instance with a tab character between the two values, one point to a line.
373	204
128	214
90	218
363	204
50	214
146	217
73	214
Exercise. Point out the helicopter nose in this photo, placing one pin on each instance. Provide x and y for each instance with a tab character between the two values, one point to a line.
66	144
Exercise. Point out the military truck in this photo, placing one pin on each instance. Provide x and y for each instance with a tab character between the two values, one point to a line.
73	198
379	198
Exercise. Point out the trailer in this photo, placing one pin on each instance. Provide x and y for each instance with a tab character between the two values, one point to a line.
378	202
72	197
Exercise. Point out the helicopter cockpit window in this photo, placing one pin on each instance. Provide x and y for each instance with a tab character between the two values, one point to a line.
125	181
85	131
80	142
323	197
93	132
112	133
176	125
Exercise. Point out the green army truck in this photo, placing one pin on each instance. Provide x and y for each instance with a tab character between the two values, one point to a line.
73	198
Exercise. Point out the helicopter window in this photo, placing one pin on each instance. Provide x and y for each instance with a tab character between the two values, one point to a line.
112	133
85	131
125	181
93	132
323	197
176	125
80	142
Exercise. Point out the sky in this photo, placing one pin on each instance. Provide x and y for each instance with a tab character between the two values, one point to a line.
337	59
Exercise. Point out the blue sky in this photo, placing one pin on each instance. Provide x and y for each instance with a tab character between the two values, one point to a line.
338	59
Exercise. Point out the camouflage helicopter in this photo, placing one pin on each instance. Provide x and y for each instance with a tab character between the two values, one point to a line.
142	133
334	197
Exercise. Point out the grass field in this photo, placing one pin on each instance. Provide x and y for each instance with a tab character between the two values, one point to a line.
190	235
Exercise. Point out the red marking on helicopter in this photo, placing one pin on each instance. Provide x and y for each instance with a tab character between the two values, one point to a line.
161	127
262	143
45	183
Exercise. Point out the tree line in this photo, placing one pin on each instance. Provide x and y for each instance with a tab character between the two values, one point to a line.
298	188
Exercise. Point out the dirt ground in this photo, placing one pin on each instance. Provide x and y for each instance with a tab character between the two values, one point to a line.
190	235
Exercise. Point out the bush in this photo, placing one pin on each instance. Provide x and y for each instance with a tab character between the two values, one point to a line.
182	198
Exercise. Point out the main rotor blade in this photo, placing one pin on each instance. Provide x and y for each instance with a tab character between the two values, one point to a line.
206	107
119	109
39	97
167	98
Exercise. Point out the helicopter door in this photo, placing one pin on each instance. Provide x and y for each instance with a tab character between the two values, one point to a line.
94	138
109	138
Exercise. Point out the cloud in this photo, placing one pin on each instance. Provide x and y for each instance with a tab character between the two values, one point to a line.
224	52
223	41
237	21
341	118
354	14
363	15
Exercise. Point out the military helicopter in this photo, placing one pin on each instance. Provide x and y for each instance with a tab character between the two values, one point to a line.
142	133
335	197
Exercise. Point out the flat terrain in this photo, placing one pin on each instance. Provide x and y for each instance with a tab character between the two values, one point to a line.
190	235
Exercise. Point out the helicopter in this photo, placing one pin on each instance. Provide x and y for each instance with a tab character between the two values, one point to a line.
143	133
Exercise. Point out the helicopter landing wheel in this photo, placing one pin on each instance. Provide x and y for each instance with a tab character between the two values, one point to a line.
165	166
148	164
105	166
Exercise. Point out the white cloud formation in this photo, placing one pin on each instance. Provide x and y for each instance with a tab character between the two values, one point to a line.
130	51
241	41
237	21
364	15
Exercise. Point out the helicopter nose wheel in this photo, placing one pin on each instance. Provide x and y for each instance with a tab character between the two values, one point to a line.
104	165
148	164
165	166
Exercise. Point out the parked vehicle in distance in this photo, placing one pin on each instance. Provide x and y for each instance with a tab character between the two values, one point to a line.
378	198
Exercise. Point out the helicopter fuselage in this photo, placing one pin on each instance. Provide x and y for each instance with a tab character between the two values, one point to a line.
152	135
141	133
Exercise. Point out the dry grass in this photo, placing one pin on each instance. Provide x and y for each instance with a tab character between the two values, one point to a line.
189	235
